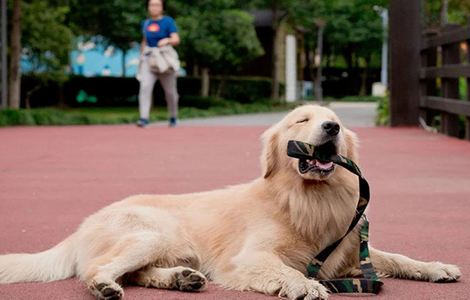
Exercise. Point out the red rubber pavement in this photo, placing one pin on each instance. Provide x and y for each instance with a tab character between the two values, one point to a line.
53	177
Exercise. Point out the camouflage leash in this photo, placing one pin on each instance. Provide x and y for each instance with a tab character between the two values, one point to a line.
370	283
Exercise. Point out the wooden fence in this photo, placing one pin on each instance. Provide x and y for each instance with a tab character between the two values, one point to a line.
445	64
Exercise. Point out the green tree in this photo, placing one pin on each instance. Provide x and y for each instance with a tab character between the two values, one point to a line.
37	30
46	41
216	37
458	12
115	22
295	12
354	29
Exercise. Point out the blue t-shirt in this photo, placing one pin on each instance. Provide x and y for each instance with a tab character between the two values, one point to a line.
155	30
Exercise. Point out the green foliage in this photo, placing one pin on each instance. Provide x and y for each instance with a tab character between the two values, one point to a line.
383	112
244	89
50	116
86	116
353	29
458	12
117	21
113	91
187	7
202	102
216	36
463	88
45	39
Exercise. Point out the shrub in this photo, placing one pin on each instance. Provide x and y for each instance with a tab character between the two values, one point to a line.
80	91
383	112
242	89
202	102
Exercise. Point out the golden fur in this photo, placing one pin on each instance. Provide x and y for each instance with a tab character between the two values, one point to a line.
257	236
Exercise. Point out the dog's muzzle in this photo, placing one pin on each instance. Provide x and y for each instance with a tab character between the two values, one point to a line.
313	158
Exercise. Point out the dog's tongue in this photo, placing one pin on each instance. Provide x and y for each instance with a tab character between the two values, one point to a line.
324	166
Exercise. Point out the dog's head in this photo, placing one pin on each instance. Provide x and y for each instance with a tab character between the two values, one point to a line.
312	124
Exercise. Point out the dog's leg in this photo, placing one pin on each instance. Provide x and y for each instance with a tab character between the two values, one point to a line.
130	253
400	266
266	273
178	278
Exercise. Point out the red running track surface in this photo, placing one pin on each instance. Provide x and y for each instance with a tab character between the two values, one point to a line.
53	177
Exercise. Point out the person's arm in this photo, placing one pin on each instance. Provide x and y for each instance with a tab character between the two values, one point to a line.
173	40
142	45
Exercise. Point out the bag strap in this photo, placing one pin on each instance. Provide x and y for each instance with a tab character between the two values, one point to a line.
370	283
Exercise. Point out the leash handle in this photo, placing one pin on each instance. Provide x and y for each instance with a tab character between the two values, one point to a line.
353	285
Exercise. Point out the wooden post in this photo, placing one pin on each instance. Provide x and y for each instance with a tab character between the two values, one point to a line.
405	36
467	124
450	88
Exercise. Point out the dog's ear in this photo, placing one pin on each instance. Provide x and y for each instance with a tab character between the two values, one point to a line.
269	153
352	145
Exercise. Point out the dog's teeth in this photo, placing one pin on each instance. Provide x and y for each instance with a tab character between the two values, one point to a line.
311	162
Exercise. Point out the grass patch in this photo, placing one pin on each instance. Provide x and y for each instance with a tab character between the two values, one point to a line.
383	112
126	115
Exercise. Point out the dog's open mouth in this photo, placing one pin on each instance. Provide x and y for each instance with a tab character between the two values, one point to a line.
322	165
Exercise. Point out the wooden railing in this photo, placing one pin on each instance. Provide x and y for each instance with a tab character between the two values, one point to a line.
443	65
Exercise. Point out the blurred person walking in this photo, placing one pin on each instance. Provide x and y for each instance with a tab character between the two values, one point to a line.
158	61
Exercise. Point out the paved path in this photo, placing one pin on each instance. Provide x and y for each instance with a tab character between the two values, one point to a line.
352	114
51	178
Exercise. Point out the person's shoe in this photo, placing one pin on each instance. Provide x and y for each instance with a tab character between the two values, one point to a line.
142	122
172	122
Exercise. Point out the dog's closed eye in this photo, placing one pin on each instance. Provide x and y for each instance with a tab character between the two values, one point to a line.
302	120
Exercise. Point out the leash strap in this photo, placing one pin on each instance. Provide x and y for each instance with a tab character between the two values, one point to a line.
370	283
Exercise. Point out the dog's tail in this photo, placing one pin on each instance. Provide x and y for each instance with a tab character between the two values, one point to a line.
54	264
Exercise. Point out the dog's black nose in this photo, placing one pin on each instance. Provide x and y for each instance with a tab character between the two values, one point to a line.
332	128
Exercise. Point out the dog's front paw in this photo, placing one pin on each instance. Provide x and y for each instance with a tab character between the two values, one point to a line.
306	289
439	272
107	290
190	280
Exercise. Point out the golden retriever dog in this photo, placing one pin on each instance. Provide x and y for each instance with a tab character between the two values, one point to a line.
257	236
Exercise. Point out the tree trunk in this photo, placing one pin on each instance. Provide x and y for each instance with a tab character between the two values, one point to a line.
365	75
124	52
205	82
355	61
349	60
3	56
443	12
61	95
14	84
27	98
196	70
318	78
327	55
309	61
275	50
221	87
